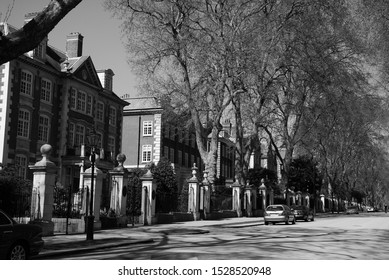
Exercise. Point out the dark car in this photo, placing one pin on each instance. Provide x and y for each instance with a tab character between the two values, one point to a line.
278	213
302	212
18	241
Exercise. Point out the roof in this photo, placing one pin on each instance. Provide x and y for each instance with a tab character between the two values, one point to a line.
141	103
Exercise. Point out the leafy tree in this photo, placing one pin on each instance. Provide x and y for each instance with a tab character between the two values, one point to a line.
12	189
31	34
304	175
134	192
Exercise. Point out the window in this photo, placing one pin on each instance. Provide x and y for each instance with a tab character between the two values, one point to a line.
89	105
4	220
43	129
73	98
38	51
21	164
112	116
46	90
146	153
24	124
81	101
100	111
147	128
80	135
72	131
111	146
26	83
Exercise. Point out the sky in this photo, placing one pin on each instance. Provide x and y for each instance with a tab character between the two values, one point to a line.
102	36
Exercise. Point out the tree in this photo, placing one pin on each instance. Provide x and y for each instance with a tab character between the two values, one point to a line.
12	189
181	47
31	34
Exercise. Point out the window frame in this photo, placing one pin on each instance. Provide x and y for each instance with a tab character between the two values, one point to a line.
147	128
147	152
46	93
26	86
112	119
22	170
100	111
44	129
24	124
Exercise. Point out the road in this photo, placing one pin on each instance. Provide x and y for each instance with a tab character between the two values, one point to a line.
346	237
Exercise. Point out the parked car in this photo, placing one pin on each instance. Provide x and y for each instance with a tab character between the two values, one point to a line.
18	241
352	210
279	213
369	209
302	212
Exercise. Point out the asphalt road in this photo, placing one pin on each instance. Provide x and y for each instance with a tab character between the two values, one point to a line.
360	237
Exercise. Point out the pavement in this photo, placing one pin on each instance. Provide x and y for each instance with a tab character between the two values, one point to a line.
62	244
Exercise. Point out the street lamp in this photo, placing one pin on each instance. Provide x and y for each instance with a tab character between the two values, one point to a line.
93	139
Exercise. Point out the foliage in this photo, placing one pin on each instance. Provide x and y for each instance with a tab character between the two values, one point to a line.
163	174
12	188
304	175
134	192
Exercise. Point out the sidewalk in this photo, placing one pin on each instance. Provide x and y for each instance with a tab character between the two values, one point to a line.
62	244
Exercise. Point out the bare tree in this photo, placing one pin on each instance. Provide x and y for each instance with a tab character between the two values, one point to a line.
31	34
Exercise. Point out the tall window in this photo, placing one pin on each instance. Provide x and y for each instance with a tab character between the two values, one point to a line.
112	116
21	164
46	89
73	98
81	101
26	83
146	153
72	131
147	128
100	111
80	135
43	129
24	124
111	146
89	105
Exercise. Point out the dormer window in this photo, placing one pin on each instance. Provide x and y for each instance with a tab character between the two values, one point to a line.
38	51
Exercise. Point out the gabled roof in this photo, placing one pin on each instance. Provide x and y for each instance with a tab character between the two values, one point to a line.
83	68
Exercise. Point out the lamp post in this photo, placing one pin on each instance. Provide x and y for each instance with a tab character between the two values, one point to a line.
93	141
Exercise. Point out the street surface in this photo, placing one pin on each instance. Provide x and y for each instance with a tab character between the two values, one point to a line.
362	237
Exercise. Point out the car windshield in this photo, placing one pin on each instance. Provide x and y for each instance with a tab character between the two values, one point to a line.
274	208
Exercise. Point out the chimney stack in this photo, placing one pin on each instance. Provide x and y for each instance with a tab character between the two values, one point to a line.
106	78
74	45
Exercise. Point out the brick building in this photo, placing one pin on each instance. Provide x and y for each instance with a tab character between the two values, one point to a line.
57	97
148	136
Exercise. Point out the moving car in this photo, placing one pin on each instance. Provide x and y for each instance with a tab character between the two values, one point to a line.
279	213
352	210
302	212
18	241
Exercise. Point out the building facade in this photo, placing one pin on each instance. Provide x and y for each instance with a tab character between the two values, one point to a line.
57	97
148	136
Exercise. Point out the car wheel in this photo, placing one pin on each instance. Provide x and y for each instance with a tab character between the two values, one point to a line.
18	252
313	218
266	223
